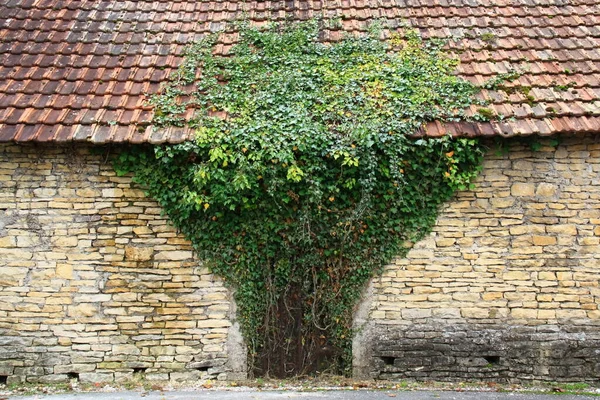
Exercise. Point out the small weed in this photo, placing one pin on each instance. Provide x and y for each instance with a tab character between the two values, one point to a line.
530	100
574	386
488	37
564	88
486	114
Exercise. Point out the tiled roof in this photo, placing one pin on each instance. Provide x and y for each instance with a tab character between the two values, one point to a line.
79	69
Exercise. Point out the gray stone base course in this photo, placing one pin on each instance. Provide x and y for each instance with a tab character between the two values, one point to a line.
497	352
20	362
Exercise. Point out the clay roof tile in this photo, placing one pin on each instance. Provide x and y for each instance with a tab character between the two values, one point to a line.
75	70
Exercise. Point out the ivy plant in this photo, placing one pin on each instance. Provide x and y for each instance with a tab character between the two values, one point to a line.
305	176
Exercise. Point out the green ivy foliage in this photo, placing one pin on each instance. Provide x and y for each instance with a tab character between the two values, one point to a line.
305	177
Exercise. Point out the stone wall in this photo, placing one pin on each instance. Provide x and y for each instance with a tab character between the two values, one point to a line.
506	285
94	283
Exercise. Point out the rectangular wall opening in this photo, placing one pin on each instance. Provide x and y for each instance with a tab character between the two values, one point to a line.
73	375
3	379
202	369
139	370
492	359
388	360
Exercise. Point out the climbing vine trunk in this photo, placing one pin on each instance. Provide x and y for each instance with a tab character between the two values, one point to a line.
293	347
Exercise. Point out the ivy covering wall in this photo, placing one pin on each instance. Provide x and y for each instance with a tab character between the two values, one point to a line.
304	178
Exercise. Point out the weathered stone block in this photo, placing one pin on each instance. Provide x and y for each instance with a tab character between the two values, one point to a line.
544	240
516	276
83	310
96	377
522	189
62	241
173	255
545	189
416	313
214	323
128	349
134	253
64	271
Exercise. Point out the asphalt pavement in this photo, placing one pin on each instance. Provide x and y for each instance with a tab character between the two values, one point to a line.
245	394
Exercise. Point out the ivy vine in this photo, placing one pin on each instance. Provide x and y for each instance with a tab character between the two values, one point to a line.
305	178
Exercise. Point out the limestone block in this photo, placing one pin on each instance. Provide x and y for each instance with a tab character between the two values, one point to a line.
64	271
441	242
526	229
570	314
88	192
546	314
96	377
545	189
134	253
125	297
416	313
142	230
8	241
466	296
520	189
28	241
187	350
15	254
180	324
173	255
544	240
44	192
128	349
516	276
562	229
546	275
594	314
214	323
499	202
112	192
520	296
491	296
79	368
446	313
524	313
475	312
83	310
589	241
187	376
92	298
162	350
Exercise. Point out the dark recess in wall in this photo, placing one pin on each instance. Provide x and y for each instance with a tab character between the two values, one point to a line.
388	360
73	375
492	359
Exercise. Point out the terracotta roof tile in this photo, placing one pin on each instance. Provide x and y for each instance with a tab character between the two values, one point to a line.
79	70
